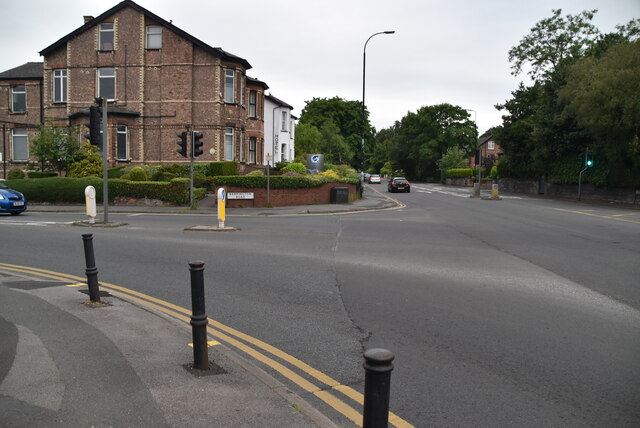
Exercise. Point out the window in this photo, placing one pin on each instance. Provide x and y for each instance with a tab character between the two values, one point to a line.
60	86
18	99
107	83
154	37
253	97
122	146
19	145
228	144
229	86
284	120
253	142
106	36
491	145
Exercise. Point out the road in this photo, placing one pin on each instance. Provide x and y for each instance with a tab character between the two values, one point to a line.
519	312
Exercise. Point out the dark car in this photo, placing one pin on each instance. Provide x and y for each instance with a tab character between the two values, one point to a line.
399	184
11	201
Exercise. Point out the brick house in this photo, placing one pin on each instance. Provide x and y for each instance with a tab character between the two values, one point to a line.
20	112
490	151
157	79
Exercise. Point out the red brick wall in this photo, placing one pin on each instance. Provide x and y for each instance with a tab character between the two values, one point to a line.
287	197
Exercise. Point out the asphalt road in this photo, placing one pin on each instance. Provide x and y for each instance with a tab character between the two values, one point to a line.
520	312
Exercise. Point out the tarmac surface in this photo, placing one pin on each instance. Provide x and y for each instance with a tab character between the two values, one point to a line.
66	362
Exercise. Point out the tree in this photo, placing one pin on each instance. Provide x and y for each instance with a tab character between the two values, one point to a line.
90	162
335	148
308	139
55	148
347	117
455	157
553	41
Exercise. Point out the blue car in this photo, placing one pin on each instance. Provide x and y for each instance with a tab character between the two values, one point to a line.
11	201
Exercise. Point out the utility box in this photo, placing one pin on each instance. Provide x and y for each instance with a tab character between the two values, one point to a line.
339	195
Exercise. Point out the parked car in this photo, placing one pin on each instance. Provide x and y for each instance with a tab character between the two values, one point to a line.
375	178
11	201
399	184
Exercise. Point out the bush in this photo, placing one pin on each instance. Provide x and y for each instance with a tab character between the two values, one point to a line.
89	165
330	174
294	167
494	171
163	176
278	181
221	169
42	174
57	189
292	174
459	173
115	172
136	173
15	174
256	173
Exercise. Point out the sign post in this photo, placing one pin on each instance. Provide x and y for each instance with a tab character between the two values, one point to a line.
222	200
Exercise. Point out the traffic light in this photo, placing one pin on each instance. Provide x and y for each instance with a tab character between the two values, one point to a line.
589	162
182	143
197	144
93	136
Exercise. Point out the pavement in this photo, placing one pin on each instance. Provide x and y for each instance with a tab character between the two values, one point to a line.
67	362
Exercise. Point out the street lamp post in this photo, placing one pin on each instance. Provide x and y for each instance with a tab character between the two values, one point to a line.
476	190
364	64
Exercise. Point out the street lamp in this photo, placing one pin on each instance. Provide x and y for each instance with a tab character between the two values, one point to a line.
476	190
364	64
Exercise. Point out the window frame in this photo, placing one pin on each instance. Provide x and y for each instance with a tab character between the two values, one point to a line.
22	94
99	85
60	81
103	44
119	133
253	150
491	145
229	90
149	34
21	133
229	132
253	104
284	121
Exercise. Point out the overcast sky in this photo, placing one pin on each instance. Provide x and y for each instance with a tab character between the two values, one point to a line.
452	51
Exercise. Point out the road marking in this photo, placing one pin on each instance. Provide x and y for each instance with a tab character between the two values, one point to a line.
209	344
225	333
609	217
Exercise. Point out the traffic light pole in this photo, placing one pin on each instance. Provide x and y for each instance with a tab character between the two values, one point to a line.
191	171
105	185
586	165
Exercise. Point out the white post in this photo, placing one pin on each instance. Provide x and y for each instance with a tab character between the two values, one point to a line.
90	199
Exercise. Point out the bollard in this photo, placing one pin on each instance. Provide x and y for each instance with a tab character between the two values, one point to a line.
198	317
92	270
377	385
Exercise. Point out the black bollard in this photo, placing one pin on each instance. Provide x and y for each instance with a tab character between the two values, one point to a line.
198	317
377	385
92	270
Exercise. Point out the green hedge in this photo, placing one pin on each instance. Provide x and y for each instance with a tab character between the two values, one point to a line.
222	168
71	190
276	182
459	173
42	174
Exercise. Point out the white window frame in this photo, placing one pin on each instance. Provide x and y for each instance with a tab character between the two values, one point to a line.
253	104
15	92
154	37
21	133
229	90
122	130
59	77
253	146
229	144
103	30
101	76
491	145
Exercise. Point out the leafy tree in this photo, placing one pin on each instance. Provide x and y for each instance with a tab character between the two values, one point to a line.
455	157
55	148
90	163
552	41
308	139
347	117
335	148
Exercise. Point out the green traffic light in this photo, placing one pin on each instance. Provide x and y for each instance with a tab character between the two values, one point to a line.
589	162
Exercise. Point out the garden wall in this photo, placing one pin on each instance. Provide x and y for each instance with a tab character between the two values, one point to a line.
286	197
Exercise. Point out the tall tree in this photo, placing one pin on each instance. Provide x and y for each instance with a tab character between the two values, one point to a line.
553	41
55	148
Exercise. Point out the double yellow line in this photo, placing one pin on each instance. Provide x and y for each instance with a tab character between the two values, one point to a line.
328	390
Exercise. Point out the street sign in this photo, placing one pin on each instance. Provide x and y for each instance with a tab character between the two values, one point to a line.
239	195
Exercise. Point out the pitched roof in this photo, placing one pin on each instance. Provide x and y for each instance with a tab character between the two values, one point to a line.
30	70
128	3
277	101
251	80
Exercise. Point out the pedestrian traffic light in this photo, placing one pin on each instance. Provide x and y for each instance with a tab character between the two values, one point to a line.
197	144
182	143
93	136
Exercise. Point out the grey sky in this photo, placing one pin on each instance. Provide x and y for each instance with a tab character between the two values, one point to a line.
452	51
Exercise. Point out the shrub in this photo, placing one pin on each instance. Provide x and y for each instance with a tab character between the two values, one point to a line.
42	174
136	173
89	165
116	172
345	171
57	189
163	176
459	173
330	174
277	182
292	174
494	171
15	174
255	173
294	167
221	169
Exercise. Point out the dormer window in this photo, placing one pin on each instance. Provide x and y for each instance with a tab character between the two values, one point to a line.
106	36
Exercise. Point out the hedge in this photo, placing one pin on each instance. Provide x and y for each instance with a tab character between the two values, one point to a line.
276	182
459	173
41	174
71	190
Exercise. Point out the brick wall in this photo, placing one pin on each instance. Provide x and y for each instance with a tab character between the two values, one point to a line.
287	197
